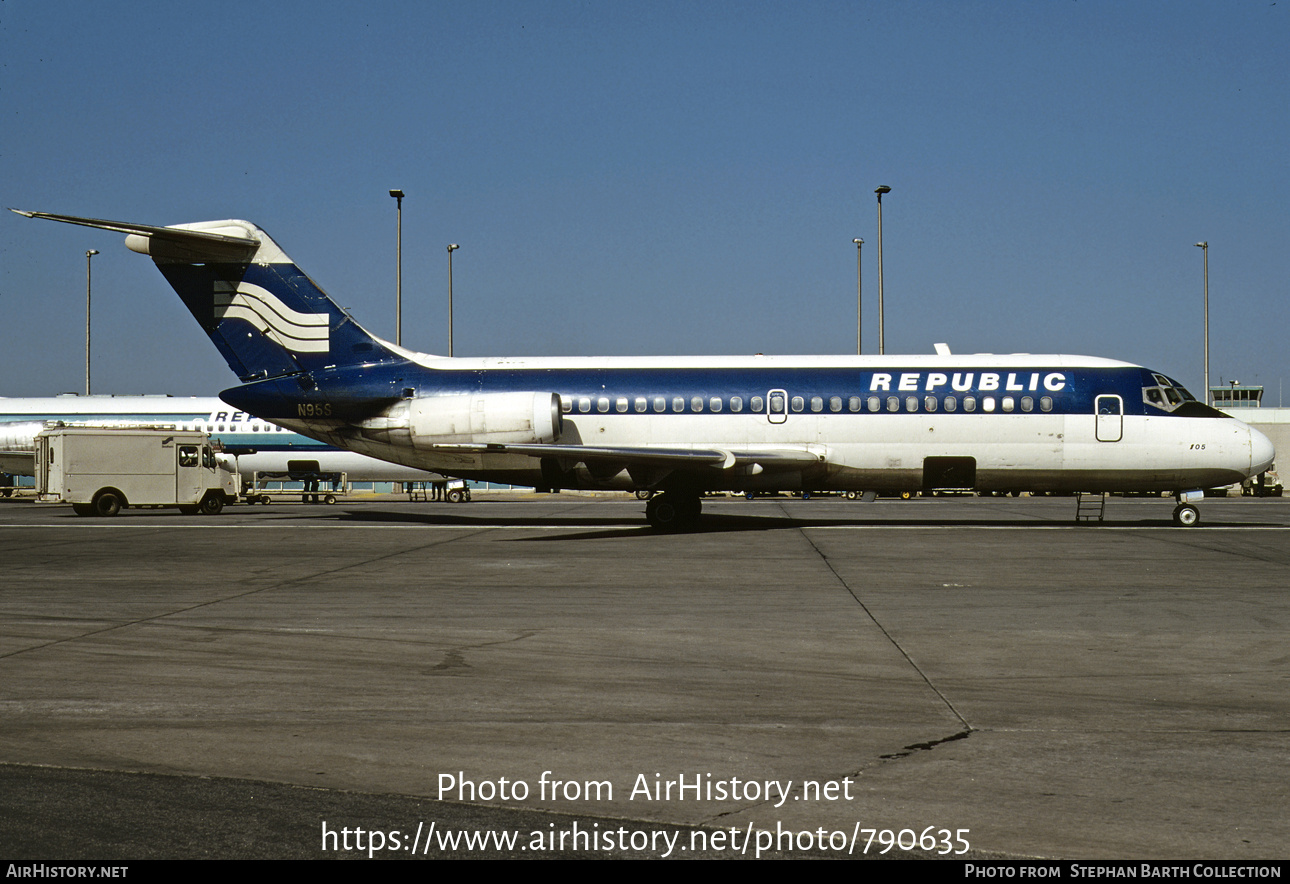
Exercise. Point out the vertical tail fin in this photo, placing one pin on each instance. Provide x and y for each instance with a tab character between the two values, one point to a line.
266	317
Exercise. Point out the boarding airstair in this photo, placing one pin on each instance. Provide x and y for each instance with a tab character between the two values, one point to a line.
1089	506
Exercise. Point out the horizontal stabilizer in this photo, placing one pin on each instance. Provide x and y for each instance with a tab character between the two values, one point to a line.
209	241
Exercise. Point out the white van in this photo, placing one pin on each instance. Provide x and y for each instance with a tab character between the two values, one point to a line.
99	471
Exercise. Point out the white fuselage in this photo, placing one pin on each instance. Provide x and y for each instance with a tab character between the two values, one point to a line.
1017	422
259	446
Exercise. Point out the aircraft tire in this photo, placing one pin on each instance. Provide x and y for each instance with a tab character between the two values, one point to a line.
1186	516
106	503
670	511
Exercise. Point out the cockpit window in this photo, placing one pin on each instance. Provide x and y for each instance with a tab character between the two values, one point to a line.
1170	396
1165	394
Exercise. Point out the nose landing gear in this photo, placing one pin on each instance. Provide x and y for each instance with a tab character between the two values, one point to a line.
1186	515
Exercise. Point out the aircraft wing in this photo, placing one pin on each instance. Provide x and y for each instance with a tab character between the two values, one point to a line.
648	456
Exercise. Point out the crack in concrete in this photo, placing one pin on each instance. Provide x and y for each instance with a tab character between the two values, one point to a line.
927	746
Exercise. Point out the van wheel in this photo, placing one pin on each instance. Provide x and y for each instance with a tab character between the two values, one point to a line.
211	505
107	503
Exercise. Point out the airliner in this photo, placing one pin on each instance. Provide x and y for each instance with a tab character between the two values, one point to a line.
680	427
257	446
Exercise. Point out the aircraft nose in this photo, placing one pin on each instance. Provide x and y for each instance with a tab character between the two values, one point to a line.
1262	453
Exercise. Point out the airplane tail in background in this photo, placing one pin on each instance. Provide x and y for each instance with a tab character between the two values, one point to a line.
266	317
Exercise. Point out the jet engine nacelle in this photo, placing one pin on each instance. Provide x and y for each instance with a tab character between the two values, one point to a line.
20	435
485	418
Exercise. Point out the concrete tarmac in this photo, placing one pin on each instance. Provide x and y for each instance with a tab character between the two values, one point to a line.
981	672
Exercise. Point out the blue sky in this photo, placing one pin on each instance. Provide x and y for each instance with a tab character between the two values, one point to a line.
660	178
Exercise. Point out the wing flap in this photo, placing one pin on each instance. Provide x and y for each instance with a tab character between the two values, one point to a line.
676	458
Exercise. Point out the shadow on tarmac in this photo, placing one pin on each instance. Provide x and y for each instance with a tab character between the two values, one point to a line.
720	523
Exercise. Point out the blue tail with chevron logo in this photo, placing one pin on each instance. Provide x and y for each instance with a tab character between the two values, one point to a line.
266	317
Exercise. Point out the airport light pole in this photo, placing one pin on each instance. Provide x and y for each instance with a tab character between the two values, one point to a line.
398	271
1204	246
881	322
452	247
89	255
859	243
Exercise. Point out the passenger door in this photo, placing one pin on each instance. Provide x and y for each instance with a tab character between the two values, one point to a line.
1110	417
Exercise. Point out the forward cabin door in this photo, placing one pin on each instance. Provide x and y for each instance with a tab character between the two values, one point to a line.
1110	418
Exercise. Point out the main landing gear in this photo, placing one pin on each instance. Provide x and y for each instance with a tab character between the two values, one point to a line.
676	510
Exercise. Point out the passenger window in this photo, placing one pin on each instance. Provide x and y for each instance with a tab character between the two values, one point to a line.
736	403
969	403
1008	404
1027	404
584	405
951	403
640	404
621	405
566	404
911	403
817	403
874	403
1046	403
696	404
714	403
678	404
987	404
660	404
798	403
929	403
853	403
755	404
893	403
602	405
